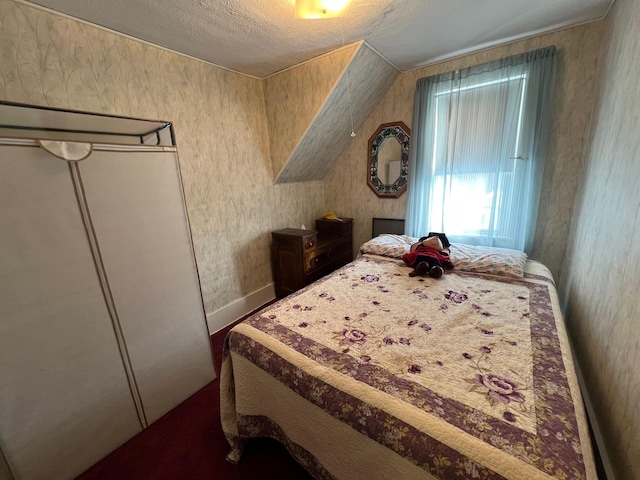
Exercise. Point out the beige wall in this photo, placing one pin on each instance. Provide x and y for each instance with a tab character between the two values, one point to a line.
294	96
220	126
328	133
601	279
346	190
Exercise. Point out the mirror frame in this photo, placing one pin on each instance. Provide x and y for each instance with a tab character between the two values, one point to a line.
386	131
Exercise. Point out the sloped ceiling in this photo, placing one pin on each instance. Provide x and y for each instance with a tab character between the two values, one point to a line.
299	156
294	97
262	37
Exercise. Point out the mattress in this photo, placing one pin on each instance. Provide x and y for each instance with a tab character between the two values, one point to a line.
370	373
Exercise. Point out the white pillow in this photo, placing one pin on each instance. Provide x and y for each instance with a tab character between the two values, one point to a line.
388	245
469	258
497	261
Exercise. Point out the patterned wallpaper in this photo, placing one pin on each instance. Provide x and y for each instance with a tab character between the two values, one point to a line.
293	97
355	96
346	190
220	126
601	282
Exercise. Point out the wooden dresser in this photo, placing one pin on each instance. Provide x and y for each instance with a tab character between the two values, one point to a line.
300	257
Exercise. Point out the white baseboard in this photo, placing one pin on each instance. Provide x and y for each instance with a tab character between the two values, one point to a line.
236	310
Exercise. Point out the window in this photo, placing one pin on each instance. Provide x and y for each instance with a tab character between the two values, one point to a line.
476	155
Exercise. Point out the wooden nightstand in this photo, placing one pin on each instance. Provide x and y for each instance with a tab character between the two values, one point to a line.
300	257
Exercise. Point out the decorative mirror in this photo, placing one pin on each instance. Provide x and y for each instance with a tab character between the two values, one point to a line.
389	159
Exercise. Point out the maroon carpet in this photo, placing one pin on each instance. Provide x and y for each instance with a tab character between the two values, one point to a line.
188	443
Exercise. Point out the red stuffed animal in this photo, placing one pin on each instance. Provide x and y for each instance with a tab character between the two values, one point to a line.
429	255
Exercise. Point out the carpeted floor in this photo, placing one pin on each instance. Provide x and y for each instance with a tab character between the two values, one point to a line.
188	443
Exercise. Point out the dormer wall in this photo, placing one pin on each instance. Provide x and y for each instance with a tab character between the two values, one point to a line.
313	108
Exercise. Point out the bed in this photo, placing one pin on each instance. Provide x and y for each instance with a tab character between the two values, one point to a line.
372	374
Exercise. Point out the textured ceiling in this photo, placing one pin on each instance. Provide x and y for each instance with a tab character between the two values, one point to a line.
262	37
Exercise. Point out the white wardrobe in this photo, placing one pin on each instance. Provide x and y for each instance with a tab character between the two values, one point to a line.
102	327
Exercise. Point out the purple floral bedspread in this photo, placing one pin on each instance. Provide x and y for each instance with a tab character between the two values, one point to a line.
485	355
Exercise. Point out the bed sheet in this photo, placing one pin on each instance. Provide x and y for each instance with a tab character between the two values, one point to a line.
370	373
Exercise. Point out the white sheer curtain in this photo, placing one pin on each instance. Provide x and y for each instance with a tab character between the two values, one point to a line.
476	157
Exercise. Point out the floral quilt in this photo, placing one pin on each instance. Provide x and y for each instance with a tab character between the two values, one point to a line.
466	376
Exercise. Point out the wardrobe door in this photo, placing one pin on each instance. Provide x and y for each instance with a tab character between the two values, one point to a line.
136	204
65	400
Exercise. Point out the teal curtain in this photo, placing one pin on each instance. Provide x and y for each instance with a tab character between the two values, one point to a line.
477	151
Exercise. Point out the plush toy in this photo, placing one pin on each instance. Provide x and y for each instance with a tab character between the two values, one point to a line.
430	255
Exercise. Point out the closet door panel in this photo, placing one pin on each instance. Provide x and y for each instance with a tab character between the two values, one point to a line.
65	400
137	209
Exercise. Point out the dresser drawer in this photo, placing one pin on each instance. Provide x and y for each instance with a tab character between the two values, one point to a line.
295	239
310	241
318	260
300	257
327	254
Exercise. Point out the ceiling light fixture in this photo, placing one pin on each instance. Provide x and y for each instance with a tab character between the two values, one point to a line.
321	8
